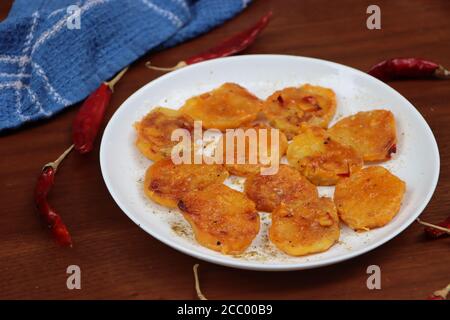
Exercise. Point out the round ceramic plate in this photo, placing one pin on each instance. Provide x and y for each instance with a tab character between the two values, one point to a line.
123	167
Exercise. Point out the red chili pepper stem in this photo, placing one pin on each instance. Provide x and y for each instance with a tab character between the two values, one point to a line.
440	294
200	295
111	83
55	164
228	47
442	73
446	230
179	65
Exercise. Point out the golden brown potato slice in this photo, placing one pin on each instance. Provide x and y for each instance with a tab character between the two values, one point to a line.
223	219
249	167
287	185
369	198
288	108
301	228
371	133
229	106
166	182
321	159
155	129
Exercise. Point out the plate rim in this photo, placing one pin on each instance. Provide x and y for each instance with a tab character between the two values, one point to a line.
254	265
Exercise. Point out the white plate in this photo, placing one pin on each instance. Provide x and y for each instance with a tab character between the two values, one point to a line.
123	167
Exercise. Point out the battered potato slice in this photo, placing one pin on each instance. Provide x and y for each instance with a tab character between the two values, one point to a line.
369	198
248	168
287	185
371	133
229	106
155	129
301	228
223	219
321	159
165	183
286	109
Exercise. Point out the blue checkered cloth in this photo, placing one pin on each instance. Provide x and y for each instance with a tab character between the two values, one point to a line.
54	53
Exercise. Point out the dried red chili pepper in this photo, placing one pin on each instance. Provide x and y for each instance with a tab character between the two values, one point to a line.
408	68
440	294
230	46
435	231
89	118
51	217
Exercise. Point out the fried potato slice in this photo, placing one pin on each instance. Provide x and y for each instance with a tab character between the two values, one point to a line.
223	219
288	108
321	159
371	133
155	129
252	156
301	228
227	107
287	185
369	198
165	183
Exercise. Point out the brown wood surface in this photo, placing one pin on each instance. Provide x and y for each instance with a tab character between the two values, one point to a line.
120	261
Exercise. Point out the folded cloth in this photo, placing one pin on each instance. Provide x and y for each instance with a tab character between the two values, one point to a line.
55	53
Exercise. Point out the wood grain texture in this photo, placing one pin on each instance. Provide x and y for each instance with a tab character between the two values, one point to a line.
120	261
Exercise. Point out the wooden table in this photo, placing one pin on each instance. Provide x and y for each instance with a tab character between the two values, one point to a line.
118	260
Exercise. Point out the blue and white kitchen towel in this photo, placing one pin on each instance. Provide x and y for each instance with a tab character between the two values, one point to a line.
54	53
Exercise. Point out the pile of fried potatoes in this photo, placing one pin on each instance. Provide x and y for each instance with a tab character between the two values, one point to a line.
303	223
